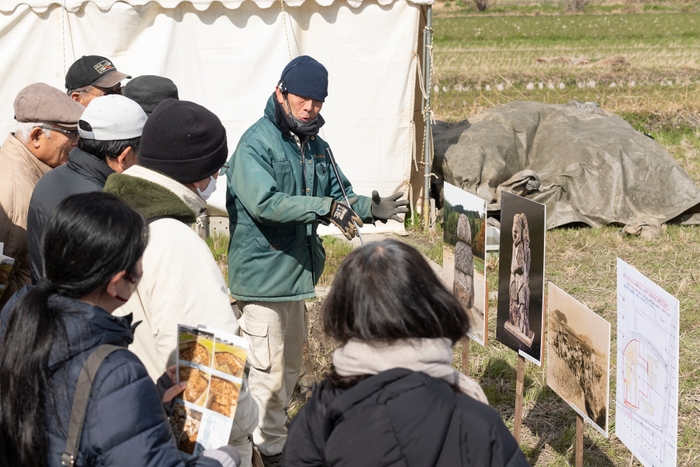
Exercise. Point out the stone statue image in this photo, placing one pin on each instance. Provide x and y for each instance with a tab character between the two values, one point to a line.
518	324
463	285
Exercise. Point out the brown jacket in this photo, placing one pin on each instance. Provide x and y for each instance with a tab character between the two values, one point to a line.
20	170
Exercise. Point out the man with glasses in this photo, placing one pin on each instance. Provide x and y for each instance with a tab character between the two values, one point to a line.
45	132
110	136
93	76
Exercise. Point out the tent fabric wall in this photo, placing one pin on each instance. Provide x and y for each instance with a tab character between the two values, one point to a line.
228	57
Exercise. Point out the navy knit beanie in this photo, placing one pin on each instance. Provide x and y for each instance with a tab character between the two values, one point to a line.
306	77
184	141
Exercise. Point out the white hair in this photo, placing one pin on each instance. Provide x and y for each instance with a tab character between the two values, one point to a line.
23	130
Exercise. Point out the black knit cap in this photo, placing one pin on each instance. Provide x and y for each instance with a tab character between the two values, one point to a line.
184	141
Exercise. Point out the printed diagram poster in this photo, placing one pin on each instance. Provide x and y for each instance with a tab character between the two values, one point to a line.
646	417
578	357
520	323
212	363
464	256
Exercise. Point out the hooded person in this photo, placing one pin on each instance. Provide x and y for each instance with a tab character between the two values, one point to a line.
281	186
182	149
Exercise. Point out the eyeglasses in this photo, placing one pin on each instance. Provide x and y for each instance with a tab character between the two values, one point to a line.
224	168
131	279
69	133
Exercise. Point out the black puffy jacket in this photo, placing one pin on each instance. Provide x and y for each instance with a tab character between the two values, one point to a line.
398	418
125	424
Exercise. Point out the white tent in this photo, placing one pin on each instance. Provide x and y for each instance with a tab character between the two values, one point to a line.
228	55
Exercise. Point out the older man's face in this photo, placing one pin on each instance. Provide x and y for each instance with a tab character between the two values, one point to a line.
54	150
302	108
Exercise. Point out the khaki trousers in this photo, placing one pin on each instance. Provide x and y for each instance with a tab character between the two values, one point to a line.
276	332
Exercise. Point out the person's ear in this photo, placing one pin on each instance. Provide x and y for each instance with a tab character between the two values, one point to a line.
76	96
123	161
111	288
279	95
35	137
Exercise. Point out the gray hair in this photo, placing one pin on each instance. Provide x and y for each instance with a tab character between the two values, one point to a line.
23	130
85	89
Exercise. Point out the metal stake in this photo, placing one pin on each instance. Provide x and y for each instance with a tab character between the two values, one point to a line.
331	159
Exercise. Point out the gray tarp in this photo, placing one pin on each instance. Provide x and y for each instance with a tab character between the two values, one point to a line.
586	165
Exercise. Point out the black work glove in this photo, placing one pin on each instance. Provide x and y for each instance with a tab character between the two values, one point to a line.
387	208
344	218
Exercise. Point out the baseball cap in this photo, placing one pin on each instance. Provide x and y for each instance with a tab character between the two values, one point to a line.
40	102
110	118
94	70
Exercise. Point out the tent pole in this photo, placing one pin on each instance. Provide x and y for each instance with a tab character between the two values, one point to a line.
427	111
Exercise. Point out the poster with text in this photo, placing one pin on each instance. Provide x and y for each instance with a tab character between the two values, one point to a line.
578	357
646	403
464	256
520	322
212	363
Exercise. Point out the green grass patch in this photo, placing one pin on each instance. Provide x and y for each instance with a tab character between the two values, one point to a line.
218	244
336	251
545	30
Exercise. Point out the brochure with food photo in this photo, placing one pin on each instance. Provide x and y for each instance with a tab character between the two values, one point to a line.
212	363
6	264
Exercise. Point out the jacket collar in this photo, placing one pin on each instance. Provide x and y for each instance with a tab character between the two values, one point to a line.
155	195
14	148
88	165
193	201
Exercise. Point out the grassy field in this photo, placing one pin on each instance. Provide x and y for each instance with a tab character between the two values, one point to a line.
641	61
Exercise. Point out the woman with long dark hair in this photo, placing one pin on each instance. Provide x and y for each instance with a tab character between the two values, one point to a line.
92	249
392	397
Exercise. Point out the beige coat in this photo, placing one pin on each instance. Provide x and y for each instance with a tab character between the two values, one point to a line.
20	170
181	284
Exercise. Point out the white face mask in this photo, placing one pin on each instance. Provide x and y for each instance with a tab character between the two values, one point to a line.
209	190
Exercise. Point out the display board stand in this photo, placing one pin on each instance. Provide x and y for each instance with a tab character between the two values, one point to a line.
465	355
519	385
579	440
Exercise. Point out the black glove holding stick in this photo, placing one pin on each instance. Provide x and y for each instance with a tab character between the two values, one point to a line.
387	208
344	218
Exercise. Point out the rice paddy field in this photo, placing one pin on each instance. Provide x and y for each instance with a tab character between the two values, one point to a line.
640	60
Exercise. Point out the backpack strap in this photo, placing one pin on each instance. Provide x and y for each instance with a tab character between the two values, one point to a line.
80	401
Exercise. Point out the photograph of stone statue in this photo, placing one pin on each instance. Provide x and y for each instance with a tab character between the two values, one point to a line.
464	256
520	323
578	357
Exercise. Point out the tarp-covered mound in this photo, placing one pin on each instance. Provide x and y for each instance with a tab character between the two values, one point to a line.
586	165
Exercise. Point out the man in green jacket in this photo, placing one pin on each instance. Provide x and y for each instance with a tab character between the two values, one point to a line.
281	185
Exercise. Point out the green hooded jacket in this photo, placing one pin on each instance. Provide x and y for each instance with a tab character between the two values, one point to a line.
276	194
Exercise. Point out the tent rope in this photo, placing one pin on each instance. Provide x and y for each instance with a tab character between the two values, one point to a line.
66	19
63	33
285	16
427	111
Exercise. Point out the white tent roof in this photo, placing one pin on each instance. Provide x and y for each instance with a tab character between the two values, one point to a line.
228	55
40	6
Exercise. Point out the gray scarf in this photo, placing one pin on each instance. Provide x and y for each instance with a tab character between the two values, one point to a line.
430	356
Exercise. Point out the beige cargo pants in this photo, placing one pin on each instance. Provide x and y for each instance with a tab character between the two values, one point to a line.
276	332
